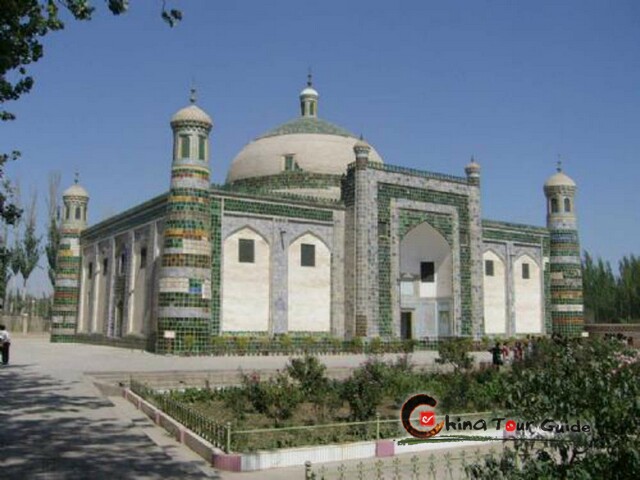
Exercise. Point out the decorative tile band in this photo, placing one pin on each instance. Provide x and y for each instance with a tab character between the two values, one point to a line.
66	294
567	302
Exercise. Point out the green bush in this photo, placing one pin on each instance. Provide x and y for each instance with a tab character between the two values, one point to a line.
308	344
455	351
364	390
276	398
356	345
286	343
241	345
376	345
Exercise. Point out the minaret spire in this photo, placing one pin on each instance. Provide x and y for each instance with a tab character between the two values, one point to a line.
309	98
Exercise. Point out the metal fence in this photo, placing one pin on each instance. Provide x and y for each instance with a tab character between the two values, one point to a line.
448	466
224	436
216	433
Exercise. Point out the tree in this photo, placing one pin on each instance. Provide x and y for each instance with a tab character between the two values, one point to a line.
591	381
22	25
608	297
31	249
53	229
364	390
629	288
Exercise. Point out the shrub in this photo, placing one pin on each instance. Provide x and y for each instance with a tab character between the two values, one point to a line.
455	352
408	346
241	345
218	344
364	391
375	345
189	341
308	344
336	345
235	399
356	345
286	343
276	398
309	372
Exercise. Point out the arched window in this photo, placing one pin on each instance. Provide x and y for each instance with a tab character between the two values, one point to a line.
202	145
84	214
185	146
66	212
77	213
555	208
567	205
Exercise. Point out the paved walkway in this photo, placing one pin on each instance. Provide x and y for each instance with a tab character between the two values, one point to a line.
55	424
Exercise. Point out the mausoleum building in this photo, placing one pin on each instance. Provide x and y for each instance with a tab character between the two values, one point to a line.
313	233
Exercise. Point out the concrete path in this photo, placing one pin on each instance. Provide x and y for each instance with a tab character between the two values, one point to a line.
55	424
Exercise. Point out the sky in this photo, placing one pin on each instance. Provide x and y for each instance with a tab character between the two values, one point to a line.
429	84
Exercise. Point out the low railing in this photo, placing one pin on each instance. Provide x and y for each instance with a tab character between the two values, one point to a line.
222	435
219	435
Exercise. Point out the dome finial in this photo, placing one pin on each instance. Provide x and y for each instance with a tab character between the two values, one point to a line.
309	78
559	163
77	177
193	93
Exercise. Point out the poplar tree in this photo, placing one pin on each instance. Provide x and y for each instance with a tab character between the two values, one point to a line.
53	228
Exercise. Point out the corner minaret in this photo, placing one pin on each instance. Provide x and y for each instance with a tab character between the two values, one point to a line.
309	100
68	264
184	297
567	305
473	172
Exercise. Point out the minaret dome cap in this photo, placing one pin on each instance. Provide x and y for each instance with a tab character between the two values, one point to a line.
191	114
559	179
472	167
75	190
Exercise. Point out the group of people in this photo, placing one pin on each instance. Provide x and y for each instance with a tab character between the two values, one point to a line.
5	343
504	353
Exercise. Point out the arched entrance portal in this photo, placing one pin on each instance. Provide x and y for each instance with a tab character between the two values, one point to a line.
426	284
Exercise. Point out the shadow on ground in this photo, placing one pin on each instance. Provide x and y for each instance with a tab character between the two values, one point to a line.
48	431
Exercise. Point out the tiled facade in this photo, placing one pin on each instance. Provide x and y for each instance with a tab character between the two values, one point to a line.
154	274
67	288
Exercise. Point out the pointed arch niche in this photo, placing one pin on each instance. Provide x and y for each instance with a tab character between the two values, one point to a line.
528	295
426	283
245	282
495	294
309	285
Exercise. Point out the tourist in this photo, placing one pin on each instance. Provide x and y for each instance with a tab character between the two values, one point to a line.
506	351
518	352
5	343
496	353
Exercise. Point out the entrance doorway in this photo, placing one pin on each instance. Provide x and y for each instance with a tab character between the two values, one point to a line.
406	326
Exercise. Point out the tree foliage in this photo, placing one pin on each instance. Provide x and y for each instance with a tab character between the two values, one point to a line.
276	398
611	298
365	389
591	381
23	24
31	249
455	352
53	229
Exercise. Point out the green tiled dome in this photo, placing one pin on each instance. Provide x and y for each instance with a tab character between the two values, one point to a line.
308	125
